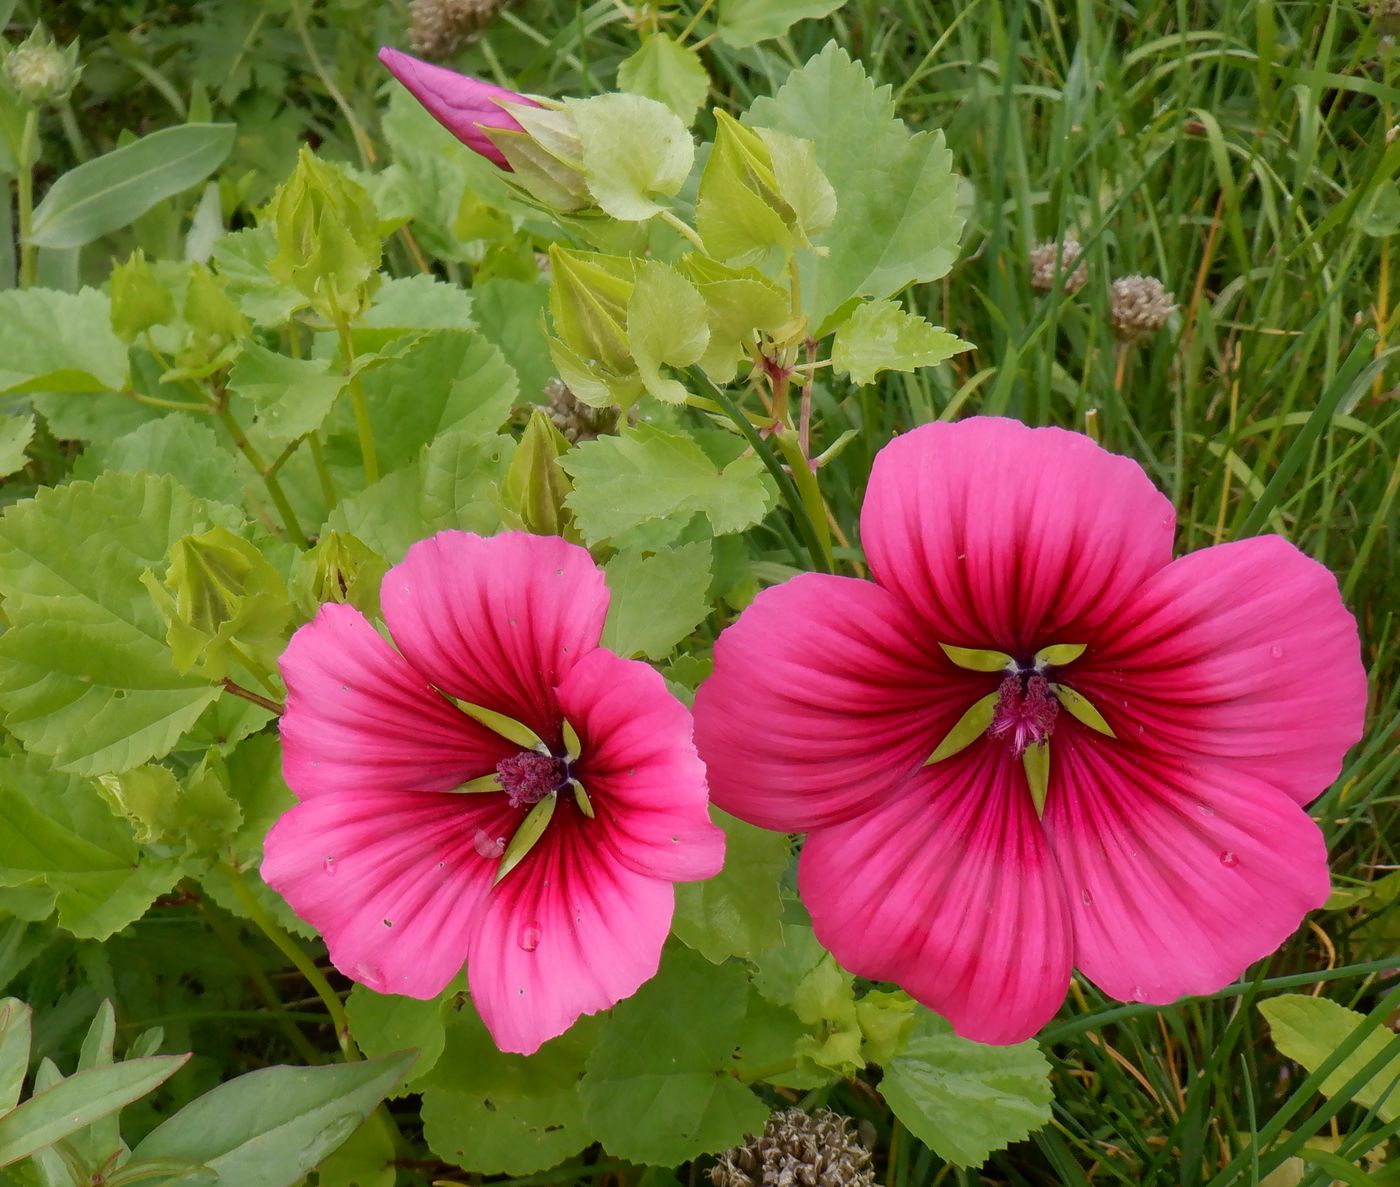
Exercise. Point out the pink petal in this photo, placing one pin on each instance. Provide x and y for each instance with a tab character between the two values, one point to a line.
497	621
1012	538
461	104
949	889
1178	877
568	932
1244	653
358	717
392	880
640	767
826	693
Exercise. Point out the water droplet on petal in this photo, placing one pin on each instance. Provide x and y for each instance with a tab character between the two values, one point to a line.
369	975
1276	651
1087	897
1229	860
1139	994
529	937
330	866
487	845
1205	809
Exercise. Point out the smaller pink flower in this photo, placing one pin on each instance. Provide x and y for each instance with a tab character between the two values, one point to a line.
401	849
465	106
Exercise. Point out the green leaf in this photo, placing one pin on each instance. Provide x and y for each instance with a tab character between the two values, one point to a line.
646	474
1309	1029
292	396
510	315
58	342
270	1127
964	1099
16	1027
780	970
339	569
59	839
76	1102
177	444
496	1113
114	190
197	812
658	1088
382	1023
634	150
666	324
896	220
738	303
85	673
740	212
15	434
669	73
738	911
882	336
242	259
140	299
657	598
449	381
365	1159
746	22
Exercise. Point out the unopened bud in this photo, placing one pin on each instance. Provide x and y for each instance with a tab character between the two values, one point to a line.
41	73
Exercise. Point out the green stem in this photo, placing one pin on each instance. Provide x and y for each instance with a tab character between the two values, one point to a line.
357	401
28	146
268	475
293	952
157	402
810	538
318	456
679	225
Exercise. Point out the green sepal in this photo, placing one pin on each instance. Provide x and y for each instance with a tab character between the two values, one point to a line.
508	728
1082	709
139	300
341	568
635	150
585	805
971	725
1036	761
546	157
530	831
1059	654
487	782
740	212
573	745
588	300
534	490
974	660
738	302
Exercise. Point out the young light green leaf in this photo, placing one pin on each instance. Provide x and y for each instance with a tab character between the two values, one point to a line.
964	1099
113	190
271	1126
666	324
647	474
800	181
657	598
668	72
533	494
882	336
740	212
85	672
196	812
896	218
58	342
76	1102
634	151
15	434
1308	1029
16	1028
657	1089
738	303
292	396
506	1114
747	22
737	912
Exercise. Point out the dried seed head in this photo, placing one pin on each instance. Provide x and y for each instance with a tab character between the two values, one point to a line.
1385	15
1042	261
575	419
1138	306
441	27
798	1149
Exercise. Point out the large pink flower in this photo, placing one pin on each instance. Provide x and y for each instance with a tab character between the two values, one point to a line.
1036	741
399	866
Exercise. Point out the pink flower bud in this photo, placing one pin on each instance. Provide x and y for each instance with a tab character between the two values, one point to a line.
465	106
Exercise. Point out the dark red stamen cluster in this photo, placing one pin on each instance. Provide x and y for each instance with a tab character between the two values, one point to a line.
1025	712
528	777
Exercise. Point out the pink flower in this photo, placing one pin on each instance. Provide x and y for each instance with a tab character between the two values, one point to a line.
465	106
398	865
975	827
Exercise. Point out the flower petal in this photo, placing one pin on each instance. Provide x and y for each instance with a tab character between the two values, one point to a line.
826	693
1177	877
461	104
570	932
1007	537
392	880
497	621
640	767
949	889
359	718
1243	653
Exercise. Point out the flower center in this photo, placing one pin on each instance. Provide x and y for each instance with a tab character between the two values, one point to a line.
529	776
1025	711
